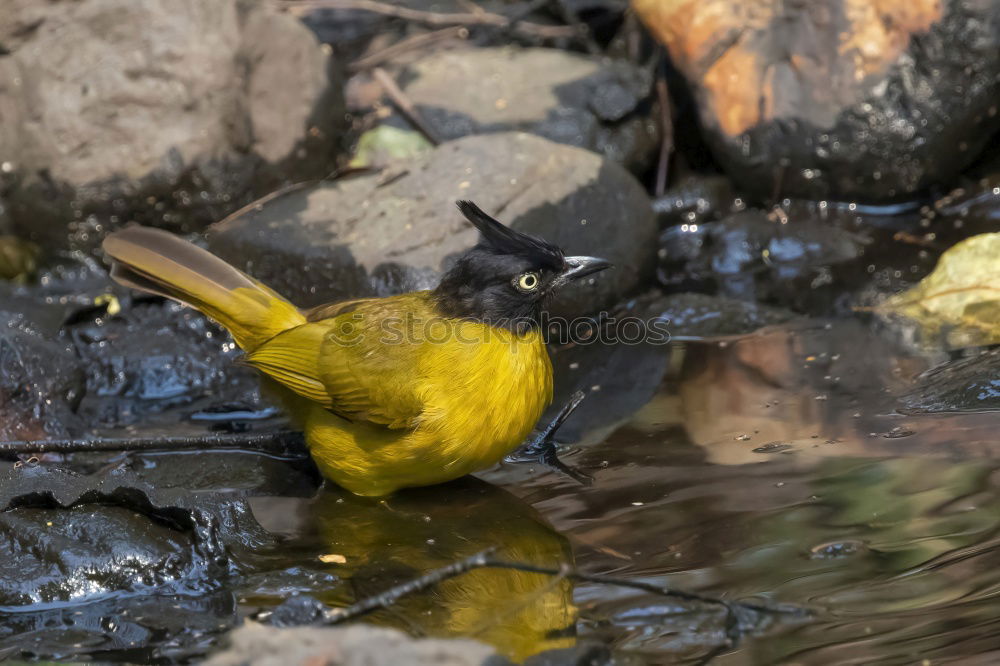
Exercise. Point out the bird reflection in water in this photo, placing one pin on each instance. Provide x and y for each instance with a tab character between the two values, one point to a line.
394	540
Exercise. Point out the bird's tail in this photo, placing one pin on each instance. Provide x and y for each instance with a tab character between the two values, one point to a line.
160	263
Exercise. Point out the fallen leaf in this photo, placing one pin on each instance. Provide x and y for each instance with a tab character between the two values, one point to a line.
384	144
958	304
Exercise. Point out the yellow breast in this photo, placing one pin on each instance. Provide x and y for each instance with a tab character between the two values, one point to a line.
483	389
489	392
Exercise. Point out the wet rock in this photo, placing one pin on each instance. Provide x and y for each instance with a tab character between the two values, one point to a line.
298	611
166	113
68	538
132	561
845	99
348	646
155	356
149	629
599	104
41	382
697	199
86	551
970	384
394	232
755	256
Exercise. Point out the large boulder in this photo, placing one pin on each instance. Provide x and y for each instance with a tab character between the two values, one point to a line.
168	112
376	235
867	99
595	103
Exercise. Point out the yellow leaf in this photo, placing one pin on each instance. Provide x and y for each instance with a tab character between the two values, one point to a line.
959	302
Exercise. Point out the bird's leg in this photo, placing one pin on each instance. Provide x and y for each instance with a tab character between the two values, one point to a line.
542	448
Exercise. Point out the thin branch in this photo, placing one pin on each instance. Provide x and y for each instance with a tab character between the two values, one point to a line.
483	560
276	442
435	18
573	574
409	44
581	28
405	106
666	133
394	594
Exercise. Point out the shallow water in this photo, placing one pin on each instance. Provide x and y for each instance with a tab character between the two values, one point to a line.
776	469
773	469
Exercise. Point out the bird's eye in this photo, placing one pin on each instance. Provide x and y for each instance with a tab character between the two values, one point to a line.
527	281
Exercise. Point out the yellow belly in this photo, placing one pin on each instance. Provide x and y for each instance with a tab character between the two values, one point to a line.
481	400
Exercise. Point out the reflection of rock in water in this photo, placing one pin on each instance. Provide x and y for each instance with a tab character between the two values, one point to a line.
798	385
825	390
417	530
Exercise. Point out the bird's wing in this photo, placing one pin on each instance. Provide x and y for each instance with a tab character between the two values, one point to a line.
355	364
330	310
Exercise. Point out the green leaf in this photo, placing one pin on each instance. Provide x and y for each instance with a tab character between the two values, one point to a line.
377	147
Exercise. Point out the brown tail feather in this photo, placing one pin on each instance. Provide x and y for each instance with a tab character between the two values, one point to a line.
160	263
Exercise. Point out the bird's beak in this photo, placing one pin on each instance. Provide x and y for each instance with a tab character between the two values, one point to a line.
578	267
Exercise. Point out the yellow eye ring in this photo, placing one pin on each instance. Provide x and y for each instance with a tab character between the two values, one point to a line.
527	281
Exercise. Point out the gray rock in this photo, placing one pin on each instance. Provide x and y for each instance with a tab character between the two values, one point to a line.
594	103
753	255
357	645
171	113
384	234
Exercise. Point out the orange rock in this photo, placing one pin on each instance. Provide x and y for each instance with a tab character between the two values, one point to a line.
753	61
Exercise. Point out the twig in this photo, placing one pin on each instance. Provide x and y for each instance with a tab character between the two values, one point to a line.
394	594
581	28
409	44
257	203
403	103
483	560
435	18
573	574
667	132
633	35
272	441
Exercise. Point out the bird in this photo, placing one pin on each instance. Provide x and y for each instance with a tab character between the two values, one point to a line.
413	389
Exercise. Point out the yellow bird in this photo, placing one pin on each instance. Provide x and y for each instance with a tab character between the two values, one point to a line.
394	392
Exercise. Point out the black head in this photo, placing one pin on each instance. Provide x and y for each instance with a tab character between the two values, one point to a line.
504	279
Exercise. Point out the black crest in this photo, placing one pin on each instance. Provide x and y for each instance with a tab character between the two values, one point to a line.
504	240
